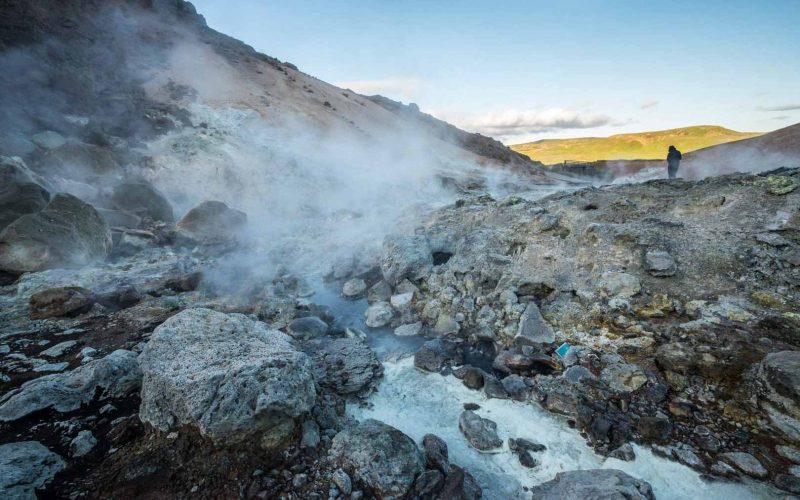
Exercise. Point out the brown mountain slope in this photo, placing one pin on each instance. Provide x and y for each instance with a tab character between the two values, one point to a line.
779	148
136	66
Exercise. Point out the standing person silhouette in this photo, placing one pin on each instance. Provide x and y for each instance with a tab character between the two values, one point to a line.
673	161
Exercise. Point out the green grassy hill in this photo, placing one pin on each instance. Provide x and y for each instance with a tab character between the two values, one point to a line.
637	146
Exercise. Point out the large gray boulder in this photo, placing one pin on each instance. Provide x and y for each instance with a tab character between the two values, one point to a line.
212	222
608	484
20	193
67	233
347	366
405	257
113	376
141	198
25	467
227	375
380	456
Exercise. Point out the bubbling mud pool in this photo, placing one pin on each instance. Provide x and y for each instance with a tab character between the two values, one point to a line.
420	403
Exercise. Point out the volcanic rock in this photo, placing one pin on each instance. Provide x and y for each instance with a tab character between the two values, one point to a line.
354	288
25	467
81	162
460	485
379	455
378	315
347	366
436	454
428	484
659	263
82	444
227	375
379	292
67	233
533	329
113	376
20	194
596	483
436	353
307	327
405	257
139	197
409	330
746	463
61	301
480	432
212	222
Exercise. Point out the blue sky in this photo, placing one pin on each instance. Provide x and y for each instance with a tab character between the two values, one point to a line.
523	70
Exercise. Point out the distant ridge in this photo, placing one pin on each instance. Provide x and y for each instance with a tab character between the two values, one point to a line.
634	146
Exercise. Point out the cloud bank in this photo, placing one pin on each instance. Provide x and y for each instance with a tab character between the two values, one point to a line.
512	123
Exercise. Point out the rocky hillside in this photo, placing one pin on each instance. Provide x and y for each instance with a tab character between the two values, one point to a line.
132	69
635	146
678	300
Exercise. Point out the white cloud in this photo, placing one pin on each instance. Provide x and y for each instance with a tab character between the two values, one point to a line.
785	107
648	104
506	125
406	88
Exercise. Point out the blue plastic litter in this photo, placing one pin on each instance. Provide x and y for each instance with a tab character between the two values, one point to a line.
563	349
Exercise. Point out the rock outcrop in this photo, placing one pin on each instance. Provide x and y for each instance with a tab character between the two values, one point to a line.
227	375
67	233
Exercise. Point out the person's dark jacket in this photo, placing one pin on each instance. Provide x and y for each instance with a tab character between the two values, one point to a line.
674	156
